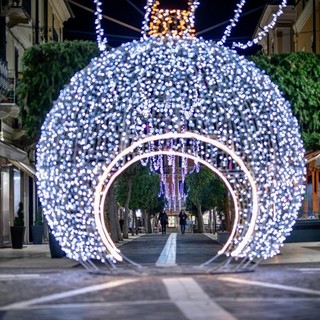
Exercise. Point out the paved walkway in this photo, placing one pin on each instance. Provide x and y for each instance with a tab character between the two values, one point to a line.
299	252
38	256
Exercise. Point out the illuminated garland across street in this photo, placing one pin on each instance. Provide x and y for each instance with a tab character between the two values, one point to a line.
154	97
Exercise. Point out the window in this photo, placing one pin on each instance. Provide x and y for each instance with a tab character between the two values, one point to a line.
17	189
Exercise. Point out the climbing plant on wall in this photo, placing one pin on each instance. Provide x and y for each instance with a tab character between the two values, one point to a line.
297	74
46	69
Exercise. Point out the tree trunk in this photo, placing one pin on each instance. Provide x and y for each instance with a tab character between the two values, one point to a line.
146	220
200	219
214	221
149	229
113	216
119	233
134	223
155	225
210	220
126	211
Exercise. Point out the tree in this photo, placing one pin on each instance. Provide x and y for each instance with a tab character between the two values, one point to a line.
138	188
145	190
297	75
205	191
123	190
216	197
113	216
46	69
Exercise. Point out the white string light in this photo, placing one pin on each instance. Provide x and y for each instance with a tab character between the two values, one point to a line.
233	22
101	40
265	30
227	111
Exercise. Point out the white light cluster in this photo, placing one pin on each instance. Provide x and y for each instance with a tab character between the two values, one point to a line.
233	22
232	108
261	34
173	193
192	6
106	179
101	40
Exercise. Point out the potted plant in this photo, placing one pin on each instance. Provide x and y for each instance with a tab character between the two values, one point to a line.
37	228
18	229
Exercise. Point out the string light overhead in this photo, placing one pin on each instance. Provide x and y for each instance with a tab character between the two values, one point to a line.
149	99
260	34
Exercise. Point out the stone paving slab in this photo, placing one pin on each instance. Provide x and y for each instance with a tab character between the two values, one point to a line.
70	292
38	256
300	252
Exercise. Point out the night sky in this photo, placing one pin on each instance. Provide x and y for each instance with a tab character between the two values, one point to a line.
210	14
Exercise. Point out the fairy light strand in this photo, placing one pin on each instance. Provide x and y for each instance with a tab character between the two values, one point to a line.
261	34
228	112
233	22
101	40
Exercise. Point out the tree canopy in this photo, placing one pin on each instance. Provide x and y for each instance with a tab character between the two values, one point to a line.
46	69
297	75
144	189
205	192
138	188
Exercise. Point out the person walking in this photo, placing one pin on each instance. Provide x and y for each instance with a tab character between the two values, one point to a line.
183	221
163	217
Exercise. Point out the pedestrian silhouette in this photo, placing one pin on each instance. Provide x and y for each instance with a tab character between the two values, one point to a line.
163	218
183	221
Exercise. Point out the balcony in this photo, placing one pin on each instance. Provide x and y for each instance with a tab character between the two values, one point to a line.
15	11
3	78
8	106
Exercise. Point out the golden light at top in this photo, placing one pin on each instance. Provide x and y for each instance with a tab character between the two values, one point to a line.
174	22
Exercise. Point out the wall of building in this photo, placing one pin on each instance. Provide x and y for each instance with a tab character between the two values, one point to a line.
300	22
17	174
294	29
304	26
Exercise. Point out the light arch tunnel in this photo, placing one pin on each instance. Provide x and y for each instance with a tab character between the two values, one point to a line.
183	90
247	196
227	172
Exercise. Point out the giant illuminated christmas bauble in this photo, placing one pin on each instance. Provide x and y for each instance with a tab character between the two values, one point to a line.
171	95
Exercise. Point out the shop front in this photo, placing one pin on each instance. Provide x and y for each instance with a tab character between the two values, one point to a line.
17	184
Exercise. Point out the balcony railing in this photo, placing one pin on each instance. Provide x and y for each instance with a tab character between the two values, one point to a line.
12	86
8	84
3	76
6	5
16	11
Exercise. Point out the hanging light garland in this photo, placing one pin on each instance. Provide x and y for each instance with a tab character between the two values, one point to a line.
235	120
260	34
101	40
233	22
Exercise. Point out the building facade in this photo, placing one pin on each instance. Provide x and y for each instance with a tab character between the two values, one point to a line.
311	203
23	23
280	39
298	29
307	26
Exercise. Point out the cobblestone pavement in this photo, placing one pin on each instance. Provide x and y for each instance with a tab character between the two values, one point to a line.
180	290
